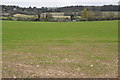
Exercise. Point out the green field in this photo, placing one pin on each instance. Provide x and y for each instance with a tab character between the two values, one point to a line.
60	49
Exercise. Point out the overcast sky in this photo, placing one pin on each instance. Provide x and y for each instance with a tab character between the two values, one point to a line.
57	3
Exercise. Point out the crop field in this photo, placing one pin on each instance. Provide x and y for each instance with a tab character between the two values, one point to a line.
23	16
60	49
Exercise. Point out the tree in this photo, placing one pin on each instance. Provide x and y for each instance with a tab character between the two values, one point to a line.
87	15
39	17
84	14
72	17
49	16
111	15
90	15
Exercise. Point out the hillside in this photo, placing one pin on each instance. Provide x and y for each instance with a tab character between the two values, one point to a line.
10	10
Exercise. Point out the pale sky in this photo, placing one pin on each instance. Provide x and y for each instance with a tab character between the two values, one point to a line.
57	3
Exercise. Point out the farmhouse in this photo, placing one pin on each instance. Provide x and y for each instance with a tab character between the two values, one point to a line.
5	14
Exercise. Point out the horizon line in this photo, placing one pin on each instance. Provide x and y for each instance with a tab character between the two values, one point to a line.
58	6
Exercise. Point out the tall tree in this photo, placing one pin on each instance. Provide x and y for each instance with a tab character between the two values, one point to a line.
84	14
111	15
49	16
72	17
87	15
39	17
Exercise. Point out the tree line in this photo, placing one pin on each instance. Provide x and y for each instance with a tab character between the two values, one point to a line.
76	13
68	9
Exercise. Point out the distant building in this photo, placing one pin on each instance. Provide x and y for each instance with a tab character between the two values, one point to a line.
14	9
5	14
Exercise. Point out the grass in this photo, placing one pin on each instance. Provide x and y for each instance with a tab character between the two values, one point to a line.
60	49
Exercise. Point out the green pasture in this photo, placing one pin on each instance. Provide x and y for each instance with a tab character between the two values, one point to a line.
60	49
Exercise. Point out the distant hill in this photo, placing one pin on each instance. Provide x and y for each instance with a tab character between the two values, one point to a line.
11	10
